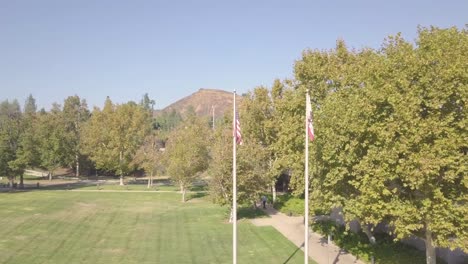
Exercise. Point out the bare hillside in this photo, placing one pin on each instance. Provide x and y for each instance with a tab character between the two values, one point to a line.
202	102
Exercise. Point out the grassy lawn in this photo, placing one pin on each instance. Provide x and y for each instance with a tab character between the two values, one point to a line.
83	227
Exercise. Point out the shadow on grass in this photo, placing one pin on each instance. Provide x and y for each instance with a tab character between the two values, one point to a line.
197	195
247	212
165	182
30	187
199	188
90	183
292	255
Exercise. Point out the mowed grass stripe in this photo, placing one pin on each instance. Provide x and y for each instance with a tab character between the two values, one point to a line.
37	231
92	237
80	227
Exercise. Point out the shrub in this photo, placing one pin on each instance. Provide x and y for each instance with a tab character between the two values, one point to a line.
386	251
289	205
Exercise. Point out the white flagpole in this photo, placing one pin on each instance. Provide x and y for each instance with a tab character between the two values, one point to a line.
306	184
234	186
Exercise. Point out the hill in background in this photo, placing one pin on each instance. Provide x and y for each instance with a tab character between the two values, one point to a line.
202	103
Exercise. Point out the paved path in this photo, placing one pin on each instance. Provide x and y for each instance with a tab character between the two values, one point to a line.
293	229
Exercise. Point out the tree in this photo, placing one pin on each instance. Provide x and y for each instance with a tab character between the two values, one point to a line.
10	130
52	140
26	151
149	157
168	120
345	130
30	106
27	154
75	114
257	111
187	152
391	135
147	103
220	168
288	146
252	167
428	127
112	136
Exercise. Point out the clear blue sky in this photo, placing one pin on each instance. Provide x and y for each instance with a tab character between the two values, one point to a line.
170	49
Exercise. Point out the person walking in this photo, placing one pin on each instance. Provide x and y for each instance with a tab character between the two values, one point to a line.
264	200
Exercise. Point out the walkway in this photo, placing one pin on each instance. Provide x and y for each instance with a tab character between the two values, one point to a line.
293	229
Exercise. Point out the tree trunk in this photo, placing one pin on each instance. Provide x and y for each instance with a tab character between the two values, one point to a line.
273	191
430	249
183	195
369	234
21	183
77	160
149	180
231	216
11	183
121	171
50	175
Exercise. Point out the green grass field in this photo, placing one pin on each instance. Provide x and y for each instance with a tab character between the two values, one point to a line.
93	227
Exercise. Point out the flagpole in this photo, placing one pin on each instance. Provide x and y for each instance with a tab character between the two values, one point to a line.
306	187
234	186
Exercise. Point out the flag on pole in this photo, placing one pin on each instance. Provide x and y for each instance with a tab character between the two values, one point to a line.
237	130
310	125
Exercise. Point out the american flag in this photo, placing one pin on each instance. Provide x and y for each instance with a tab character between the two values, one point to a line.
237	130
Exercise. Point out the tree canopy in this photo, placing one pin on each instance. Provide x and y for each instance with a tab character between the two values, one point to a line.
187	152
113	135
391	134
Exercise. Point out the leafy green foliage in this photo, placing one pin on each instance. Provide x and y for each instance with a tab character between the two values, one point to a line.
147	103
391	134
187	152
252	177
290	205
167	121
258	126
149	157
30	106
220	168
75	114
112	136
10	130
52	140
252	165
